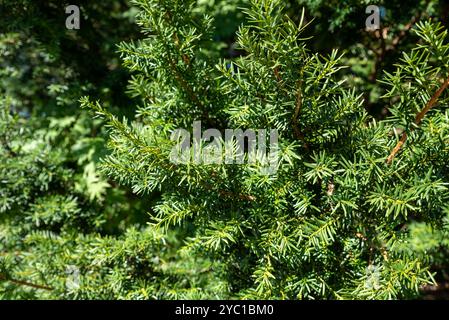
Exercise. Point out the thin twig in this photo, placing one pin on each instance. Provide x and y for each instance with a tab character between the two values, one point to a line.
25	283
385	49
419	117
298	106
395	42
239	196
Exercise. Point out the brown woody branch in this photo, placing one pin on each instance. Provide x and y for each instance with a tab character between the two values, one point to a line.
384	48
419	117
395	42
298	106
25	283
239	196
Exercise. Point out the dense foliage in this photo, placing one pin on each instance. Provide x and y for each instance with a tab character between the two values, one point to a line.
93	205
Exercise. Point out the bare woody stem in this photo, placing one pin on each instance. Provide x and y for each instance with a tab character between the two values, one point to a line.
297	111
419	117
178	75
298	106
25	283
244	197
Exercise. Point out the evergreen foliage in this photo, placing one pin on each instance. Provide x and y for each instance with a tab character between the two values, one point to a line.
356	207
336	203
